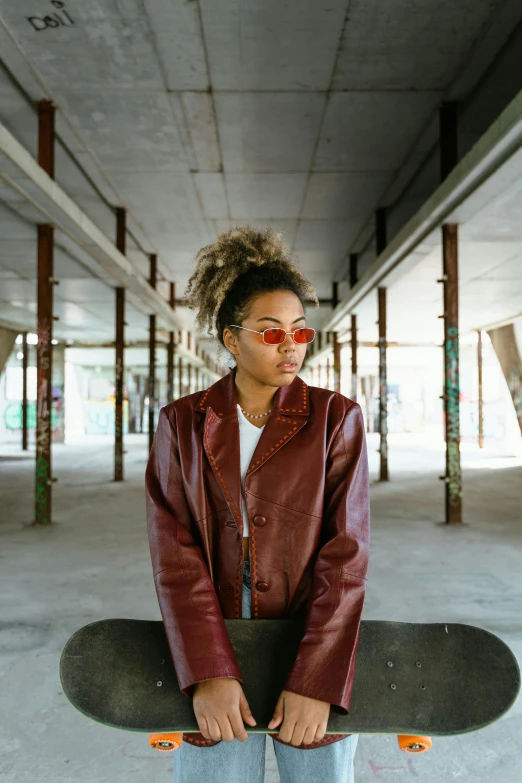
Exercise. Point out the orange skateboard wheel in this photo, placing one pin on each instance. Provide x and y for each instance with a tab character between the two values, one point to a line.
411	744
166	741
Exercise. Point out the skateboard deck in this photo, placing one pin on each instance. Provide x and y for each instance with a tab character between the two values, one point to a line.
426	679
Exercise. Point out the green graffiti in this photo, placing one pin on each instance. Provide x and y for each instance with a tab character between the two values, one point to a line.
41	490
13	416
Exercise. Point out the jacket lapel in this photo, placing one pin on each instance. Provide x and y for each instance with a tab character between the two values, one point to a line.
221	432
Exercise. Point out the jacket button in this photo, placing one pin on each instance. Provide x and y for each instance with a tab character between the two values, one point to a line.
262	587
259	521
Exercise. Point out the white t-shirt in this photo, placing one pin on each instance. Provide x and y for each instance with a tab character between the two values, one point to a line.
249	434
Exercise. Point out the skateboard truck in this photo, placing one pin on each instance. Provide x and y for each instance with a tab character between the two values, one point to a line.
173	740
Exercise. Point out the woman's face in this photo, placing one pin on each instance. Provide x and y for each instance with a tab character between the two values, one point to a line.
281	309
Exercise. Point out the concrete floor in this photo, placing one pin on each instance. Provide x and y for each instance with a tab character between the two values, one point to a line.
93	563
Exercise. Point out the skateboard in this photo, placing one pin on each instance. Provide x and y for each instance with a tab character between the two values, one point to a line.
413	680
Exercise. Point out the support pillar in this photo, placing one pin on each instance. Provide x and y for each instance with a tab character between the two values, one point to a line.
180	376
58	392
383	387
44	328
354	277
327	372
171	348
141	392
336	363
119	346
504	343
134	404
480	391
152	354
336	344
453	477
157	391
46	122
25	363
354	258
44	331
354	357
448	138
380	230
189	375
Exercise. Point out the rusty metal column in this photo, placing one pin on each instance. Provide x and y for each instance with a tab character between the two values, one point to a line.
448	138
180	376
380	230
380	244
354	260
171	349
44	329
44	373
152	352
336	344
383	387
140	404
189	364
119	346
453	477
336	363
480	391
134	405
25	361
354	356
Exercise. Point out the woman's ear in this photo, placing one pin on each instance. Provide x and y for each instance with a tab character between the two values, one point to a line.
230	340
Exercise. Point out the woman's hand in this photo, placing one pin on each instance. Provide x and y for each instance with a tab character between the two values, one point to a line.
221	707
305	719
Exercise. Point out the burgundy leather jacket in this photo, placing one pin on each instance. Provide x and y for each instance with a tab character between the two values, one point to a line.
307	496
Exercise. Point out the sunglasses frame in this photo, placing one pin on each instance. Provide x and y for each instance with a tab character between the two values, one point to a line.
277	327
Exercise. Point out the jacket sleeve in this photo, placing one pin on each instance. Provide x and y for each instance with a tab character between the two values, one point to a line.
325	664
194	624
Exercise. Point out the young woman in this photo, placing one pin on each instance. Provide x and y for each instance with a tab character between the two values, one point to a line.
258	507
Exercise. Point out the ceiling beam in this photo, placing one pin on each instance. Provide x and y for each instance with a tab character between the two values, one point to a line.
44	199
501	140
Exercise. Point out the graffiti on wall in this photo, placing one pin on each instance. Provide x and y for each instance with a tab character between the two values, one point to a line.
100	417
57	18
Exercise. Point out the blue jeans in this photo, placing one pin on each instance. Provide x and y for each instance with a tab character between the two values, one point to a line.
244	762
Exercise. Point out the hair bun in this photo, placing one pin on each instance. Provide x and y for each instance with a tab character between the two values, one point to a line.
234	253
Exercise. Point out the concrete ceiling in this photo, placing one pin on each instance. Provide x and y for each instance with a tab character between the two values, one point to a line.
197	116
489	219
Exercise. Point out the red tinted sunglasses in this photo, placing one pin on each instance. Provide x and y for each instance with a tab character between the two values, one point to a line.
274	336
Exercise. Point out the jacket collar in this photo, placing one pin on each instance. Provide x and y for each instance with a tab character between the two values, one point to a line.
221	397
291	409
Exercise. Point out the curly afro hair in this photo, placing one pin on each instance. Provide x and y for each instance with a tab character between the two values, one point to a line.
241	264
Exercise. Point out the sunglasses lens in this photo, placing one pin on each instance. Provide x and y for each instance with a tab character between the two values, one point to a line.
274	336
277	336
304	335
